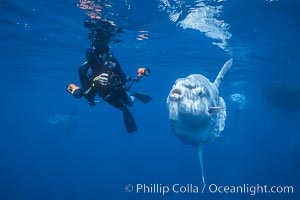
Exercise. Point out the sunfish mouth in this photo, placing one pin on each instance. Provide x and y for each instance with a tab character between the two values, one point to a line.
175	94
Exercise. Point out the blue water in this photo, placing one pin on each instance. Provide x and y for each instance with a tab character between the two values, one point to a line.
42	45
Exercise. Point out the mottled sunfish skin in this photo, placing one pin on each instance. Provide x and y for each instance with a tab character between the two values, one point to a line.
197	113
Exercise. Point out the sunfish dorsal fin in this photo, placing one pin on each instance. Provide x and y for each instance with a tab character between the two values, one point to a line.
226	67
199	149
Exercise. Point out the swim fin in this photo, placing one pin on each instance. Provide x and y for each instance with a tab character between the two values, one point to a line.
141	96
129	121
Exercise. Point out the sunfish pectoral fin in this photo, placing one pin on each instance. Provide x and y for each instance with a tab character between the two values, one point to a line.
215	109
199	149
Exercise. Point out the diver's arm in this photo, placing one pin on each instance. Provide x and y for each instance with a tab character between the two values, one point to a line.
84	79
90	94
88	91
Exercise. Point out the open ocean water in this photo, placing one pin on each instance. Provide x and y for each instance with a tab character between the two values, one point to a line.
55	147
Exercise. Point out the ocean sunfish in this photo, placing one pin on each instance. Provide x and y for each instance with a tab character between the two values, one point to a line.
64	121
197	113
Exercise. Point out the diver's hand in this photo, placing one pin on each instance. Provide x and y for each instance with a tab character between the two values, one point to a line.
102	79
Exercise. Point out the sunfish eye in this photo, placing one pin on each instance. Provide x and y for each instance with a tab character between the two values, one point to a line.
200	91
190	86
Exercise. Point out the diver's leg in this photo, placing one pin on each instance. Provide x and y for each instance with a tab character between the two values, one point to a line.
141	96
126	97
116	102
128	118
129	121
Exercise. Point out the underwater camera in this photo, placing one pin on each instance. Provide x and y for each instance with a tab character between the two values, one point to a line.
143	72
74	90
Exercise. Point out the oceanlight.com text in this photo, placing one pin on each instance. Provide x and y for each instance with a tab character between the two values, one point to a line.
176	188
249	189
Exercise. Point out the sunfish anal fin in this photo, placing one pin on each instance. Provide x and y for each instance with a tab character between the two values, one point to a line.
199	149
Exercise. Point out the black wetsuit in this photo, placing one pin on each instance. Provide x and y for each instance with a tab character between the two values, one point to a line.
115	92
